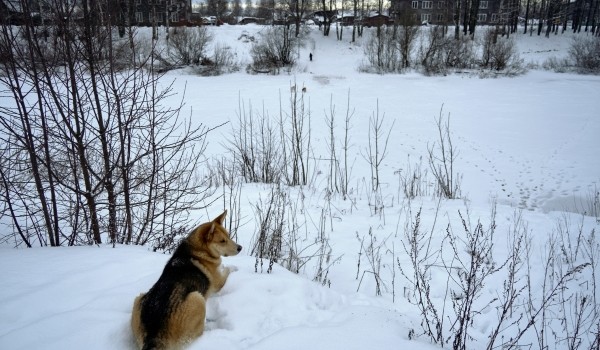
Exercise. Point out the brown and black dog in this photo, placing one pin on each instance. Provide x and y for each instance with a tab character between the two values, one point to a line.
172	312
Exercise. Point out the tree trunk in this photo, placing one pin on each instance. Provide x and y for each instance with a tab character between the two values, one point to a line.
541	17
473	17
466	12
526	16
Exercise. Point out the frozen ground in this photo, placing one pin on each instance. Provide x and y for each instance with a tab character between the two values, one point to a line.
530	141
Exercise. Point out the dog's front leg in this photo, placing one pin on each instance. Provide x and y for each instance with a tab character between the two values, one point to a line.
223	275
224	272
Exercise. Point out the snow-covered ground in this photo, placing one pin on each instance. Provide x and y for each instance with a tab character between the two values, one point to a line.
81	298
531	142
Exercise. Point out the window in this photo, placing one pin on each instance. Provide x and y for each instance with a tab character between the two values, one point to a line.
440	17
415	4
175	17
441	4
483	4
158	17
494	17
427	4
425	17
481	17
139	17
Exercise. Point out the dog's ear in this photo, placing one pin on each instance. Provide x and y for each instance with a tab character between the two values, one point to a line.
210	233
221	218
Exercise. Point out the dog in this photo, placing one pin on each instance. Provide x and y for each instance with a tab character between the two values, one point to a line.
172	313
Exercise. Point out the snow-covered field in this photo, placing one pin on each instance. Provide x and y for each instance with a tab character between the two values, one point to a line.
529	142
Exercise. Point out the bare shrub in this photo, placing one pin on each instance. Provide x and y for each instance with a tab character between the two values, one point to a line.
591	250
295	135
413	180
333	176
278	240
390	49
570	242
499	53
186	46
407	35
273	151
442	159
256	146
126	52
274	50
232	199
578	308
539	311
324	253
423	259
439	53
222	61
459	53
270	217
515	283
592	203
557	65
559	307
339	168
431	52
224	58
169	241
585	53
469	273
372	251
376	150
382	52
345	168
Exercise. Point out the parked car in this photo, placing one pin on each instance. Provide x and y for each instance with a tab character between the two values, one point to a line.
209	20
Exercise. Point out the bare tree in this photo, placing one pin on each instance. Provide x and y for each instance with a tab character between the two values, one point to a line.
217	8
408	32
97	151
327	11
265	9
297	10
249	10
236	8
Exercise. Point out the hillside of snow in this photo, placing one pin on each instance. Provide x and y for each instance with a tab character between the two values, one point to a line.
528	143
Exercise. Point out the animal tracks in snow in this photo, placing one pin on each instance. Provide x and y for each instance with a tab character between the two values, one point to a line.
326	79
518	177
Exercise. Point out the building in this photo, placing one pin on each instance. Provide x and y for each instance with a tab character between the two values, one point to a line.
12	12
440	12
162	12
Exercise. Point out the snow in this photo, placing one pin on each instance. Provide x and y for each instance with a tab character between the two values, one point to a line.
81	297
531	142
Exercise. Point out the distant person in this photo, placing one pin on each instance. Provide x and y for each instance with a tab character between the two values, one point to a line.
310	56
